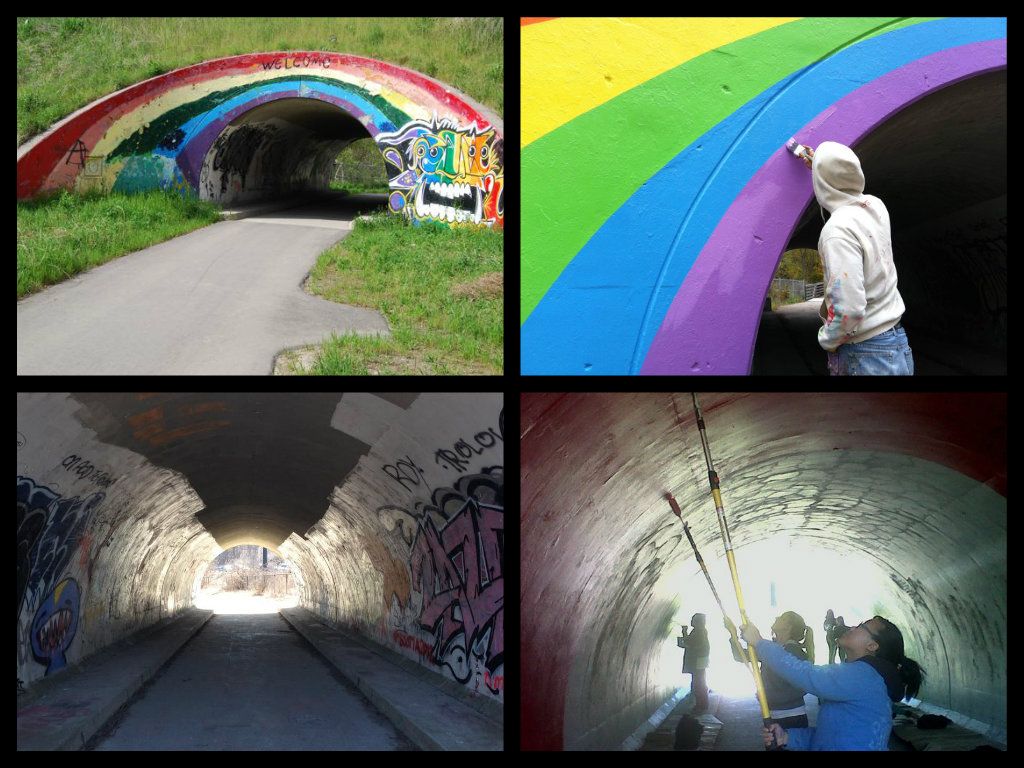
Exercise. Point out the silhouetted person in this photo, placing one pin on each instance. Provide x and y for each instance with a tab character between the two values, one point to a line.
695	660
830	634
688	733
840	630
855	698
785	701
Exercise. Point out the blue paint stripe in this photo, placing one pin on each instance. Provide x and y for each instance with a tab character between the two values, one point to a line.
590	321
195	126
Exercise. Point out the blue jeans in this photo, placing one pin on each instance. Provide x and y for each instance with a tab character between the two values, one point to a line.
887	354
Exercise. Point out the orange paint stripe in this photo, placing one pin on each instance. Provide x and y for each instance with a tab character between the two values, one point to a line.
144	418
192	429
535	19
195	410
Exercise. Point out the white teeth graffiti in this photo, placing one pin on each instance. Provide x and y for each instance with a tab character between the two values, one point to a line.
449	202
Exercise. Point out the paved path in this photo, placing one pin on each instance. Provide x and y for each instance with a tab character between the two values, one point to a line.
224	299
250	682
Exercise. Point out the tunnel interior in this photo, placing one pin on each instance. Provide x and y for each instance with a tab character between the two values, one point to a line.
388	506
276	149
939	165
888	504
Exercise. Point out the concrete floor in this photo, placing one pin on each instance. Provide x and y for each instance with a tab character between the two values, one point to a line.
249	682
224	299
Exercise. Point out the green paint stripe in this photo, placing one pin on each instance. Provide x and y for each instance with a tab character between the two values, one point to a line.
146	140
577	176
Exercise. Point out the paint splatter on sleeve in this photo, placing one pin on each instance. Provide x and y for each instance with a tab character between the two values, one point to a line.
845	300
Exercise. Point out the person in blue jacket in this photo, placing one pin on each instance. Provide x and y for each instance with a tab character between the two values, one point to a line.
855	697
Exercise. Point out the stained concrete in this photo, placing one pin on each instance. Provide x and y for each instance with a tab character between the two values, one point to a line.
909	489
224	299
389	508
249	682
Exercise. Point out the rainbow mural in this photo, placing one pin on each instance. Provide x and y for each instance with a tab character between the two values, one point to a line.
442	151
657	195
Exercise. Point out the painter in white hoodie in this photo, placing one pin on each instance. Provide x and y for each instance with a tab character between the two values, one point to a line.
861	312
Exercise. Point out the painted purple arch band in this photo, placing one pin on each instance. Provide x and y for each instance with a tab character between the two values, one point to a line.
711	326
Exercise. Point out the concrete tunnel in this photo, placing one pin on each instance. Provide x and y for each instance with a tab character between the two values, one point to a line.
259	126
389	506
869	503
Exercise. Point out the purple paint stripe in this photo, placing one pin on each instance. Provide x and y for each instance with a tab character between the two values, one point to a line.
712	324
190	160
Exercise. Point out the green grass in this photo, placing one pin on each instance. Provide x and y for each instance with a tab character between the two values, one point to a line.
64	234
422	280
66	63
358	189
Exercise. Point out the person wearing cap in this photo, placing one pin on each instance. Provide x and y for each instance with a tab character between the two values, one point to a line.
862	310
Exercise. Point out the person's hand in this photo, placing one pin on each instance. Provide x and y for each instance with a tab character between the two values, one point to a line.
808	157
776	730
750	634
730	626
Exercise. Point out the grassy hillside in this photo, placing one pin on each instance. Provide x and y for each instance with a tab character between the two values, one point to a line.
65	63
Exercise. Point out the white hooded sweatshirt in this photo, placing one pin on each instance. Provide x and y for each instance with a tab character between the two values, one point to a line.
861	300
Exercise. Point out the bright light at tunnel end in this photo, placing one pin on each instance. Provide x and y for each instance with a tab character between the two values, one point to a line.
795	576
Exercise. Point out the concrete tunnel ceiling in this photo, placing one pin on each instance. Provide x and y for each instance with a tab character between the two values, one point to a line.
389	506
212	129
910	488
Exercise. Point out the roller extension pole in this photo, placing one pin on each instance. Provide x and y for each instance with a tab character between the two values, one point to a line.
720	510
686	529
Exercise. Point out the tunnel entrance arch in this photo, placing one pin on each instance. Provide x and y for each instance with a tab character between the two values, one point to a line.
727	312
443	152
947	204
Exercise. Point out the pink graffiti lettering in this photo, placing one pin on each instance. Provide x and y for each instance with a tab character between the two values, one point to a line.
459	572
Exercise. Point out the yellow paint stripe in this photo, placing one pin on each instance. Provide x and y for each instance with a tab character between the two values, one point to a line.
570	66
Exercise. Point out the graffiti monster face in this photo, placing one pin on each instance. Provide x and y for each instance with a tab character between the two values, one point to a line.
448	174
54	626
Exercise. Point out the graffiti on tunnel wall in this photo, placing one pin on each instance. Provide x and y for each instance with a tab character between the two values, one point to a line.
54	625
455	539
457	566
49	530
187	131
439	171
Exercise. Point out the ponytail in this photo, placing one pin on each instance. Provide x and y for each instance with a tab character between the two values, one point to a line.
808	644
912	676
890	648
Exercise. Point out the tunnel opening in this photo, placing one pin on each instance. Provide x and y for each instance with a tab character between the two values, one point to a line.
279	149
939	165
248	578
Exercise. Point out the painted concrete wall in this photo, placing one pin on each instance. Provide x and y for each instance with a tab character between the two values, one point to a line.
657	194
417	537
107	542
443	152
409	550
910	490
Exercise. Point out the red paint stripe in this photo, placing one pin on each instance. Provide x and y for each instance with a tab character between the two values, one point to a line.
524	21
45	157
